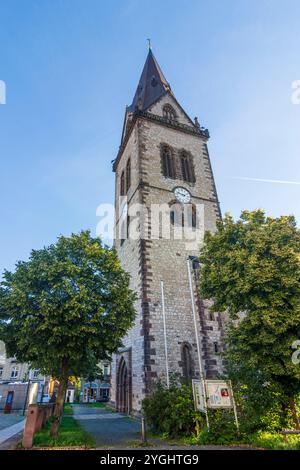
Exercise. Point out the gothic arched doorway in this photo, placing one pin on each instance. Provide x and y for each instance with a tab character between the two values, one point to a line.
123	403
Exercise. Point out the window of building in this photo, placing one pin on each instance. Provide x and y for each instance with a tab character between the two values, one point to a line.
177	215
14	372
216	347
1	371
191	215
122	184
122	240
127	226
194	216
187	170
169	112
35	373
128	175
125	229
187	368
168	165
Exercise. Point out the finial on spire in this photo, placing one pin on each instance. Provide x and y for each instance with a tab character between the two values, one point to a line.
149	44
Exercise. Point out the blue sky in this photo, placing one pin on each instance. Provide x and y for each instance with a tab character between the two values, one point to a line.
71	66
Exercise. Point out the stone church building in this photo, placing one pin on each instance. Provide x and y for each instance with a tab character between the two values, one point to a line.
163	159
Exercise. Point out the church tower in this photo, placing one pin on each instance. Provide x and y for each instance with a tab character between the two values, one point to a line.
163	162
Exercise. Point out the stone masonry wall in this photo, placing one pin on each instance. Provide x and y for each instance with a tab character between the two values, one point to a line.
153	260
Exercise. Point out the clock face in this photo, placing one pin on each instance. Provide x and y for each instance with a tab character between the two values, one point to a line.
182	195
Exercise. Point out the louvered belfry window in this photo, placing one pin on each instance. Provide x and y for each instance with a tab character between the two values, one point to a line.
187	170
169	112
168	162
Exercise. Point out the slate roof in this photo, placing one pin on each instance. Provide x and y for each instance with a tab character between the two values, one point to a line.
151	87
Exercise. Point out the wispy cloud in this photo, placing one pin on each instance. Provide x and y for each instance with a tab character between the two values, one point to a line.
265	180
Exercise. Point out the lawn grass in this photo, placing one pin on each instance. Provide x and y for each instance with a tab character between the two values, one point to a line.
71	434
258	440
96	405
68	409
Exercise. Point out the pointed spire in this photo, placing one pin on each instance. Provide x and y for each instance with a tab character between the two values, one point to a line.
152	84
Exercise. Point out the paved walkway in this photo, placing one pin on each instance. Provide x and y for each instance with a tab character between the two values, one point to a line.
10	429
10	419
110	429
118	431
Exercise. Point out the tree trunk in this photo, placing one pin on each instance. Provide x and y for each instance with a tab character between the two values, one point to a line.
60	400
293	409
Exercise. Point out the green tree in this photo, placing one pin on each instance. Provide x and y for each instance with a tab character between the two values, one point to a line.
65	308
253	266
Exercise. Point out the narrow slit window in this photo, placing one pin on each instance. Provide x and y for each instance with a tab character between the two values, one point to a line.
122	184
128	175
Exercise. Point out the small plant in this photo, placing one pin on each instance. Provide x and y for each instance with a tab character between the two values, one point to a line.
171	411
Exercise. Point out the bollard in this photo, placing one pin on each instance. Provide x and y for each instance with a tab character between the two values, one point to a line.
144	438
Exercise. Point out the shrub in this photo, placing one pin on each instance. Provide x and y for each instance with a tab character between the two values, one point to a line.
171	411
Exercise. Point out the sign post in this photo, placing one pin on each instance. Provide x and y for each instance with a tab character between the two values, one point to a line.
165	331
214	394
220	395
234	409
199	401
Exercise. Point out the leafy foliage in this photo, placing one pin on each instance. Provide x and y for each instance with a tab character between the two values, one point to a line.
69	300
171	411
66	308
253	266
261	402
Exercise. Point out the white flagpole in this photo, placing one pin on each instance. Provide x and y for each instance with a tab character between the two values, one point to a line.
201	371
165	330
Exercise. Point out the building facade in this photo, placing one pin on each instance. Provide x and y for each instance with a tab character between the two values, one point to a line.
163	165
13	371
20	380
96	389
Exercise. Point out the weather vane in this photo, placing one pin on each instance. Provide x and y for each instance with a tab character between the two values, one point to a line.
149	44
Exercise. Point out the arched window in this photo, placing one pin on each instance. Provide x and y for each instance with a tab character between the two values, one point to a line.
125	229
183	214
168	166
187	170
191	215
187	365
169	112
177	214
128	175
194	216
